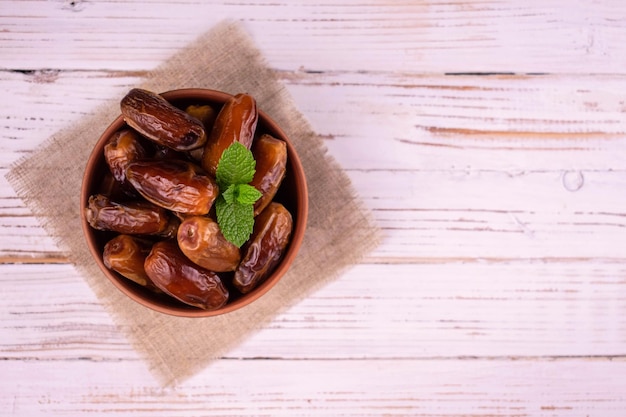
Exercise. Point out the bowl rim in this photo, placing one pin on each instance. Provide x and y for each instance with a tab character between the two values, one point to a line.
300	225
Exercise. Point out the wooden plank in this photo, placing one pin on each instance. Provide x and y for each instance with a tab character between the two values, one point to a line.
477	214
27	122
436	36
468	388
509	310
457	166
493	215
520	122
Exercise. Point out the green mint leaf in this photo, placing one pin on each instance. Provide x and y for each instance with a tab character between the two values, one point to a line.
235	206
236	220
242	193
236	166
230	194
246	194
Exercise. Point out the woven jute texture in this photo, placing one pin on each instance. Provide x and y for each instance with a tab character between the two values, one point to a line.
339	230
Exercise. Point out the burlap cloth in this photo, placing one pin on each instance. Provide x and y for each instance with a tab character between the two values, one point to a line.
339	230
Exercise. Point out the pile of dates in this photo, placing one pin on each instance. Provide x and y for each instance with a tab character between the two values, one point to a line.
158	204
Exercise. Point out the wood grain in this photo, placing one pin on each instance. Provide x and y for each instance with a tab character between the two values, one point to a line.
434	36
342	388
487	138
515	309
498	194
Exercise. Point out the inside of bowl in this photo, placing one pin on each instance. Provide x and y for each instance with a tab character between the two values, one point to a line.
97	176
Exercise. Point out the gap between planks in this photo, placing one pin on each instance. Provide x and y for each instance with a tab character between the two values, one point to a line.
376	260
482	358
34	260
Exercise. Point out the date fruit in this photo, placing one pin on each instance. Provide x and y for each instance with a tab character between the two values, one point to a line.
136	217
126	255
123	148
205	113
271	163
202	241
158	120
236	122
154	207
173	184
177	276
272	231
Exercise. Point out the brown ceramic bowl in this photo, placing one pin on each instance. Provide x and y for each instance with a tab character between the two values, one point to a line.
292	194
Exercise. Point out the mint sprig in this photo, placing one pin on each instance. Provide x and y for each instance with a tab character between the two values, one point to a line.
236	166
235	205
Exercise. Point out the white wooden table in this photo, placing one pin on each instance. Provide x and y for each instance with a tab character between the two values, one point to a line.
487	137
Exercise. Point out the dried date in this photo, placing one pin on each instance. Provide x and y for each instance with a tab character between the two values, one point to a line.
173	184
271	163
201	240
126	255
123	148
177	276
205	113
158	120
135	217
272	232
235	122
